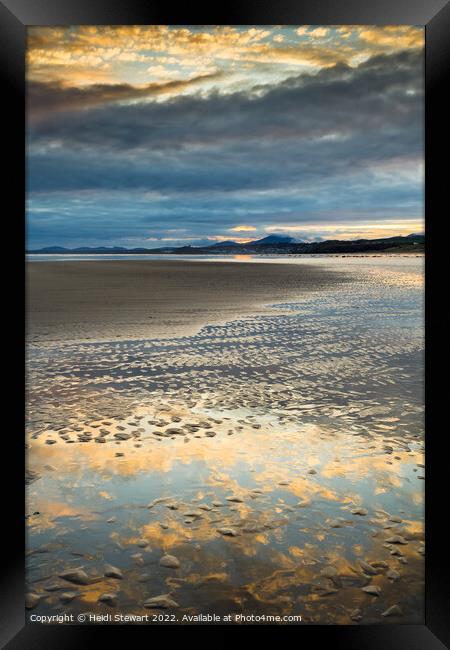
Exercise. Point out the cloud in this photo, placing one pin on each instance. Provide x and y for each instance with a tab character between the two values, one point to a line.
319	32
45	97
376	94
400	37
340	146
119	54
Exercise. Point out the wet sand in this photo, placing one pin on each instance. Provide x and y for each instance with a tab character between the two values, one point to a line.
99	300
268	466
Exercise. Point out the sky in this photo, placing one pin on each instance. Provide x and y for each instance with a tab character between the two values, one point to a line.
164	136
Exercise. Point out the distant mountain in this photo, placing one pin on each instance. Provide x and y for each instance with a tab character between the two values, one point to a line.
82	249
271	245
100	249
274	239
51	249
228	242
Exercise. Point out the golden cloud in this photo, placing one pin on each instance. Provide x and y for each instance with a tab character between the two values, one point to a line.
79	55
243	228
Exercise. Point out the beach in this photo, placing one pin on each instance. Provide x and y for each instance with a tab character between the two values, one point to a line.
256	448
104	300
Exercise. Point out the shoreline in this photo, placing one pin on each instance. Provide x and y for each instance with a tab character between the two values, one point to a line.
212	257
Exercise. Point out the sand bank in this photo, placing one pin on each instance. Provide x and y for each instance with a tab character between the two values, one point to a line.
72	301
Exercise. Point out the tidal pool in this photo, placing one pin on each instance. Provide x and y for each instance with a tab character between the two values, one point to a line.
279	461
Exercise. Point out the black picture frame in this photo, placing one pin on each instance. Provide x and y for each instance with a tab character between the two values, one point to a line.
15	17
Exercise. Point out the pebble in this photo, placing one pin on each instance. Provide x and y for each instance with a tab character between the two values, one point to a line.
393	575
373	590
77	576
362	512
396	539
196	514
155	502
113	572
169	561
367	568
380	564
108	599
394	610
160	602
228	532
54	586
68	596
335	523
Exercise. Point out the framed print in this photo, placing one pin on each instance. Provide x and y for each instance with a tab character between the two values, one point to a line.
230	224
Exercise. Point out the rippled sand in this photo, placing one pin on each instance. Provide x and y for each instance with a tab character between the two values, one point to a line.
278	459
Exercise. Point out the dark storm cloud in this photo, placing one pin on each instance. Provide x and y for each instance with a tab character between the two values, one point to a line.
44	98
234	167
341	99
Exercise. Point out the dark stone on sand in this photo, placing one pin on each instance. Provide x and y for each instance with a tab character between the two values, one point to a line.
367	568
170	562
68	596
164	601
227	532
78	577
394	610
113	572
108	599
372	590
396	539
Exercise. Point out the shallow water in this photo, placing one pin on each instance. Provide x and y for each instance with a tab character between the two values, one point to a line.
260	258
302	432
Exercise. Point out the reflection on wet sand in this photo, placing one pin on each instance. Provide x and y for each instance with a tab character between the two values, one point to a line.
269	466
